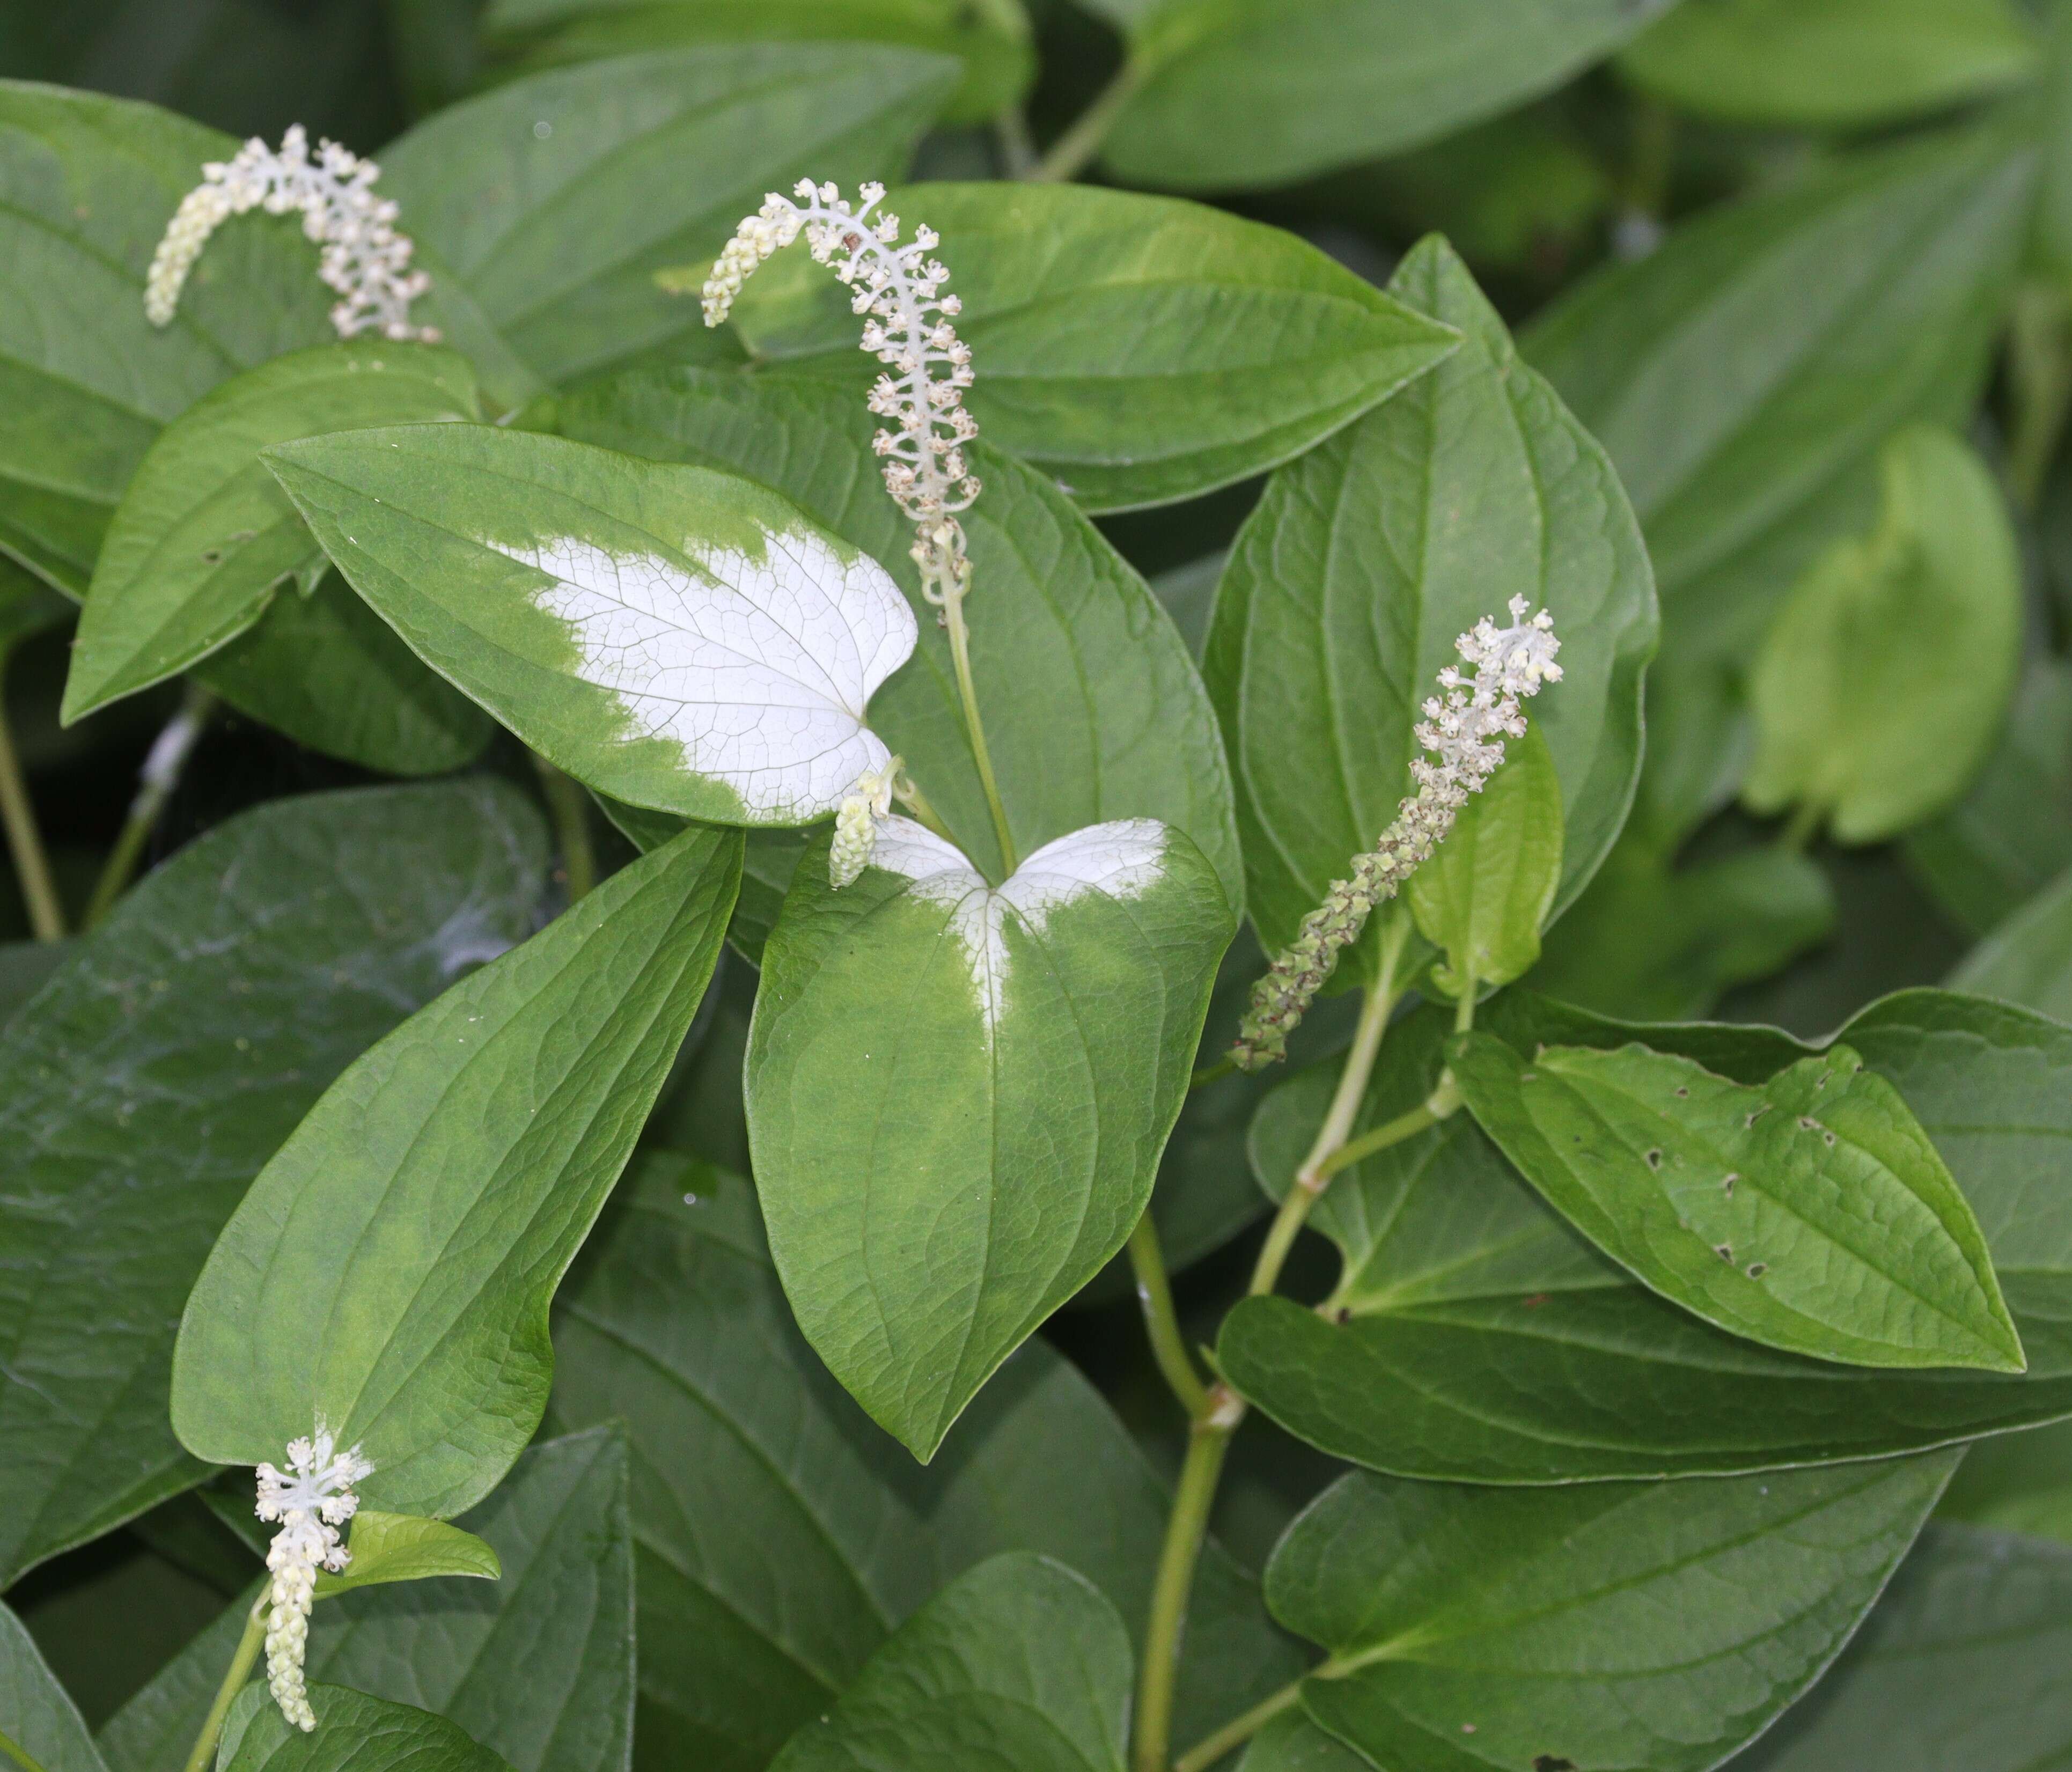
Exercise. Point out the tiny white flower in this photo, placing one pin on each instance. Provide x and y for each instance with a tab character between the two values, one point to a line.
869	804
311	1499
363	258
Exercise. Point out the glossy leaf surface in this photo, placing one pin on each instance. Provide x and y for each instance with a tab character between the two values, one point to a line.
354	1733
390	1270
166	1059
1137	349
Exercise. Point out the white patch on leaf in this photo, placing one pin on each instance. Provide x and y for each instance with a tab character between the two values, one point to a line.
1121	860
759	670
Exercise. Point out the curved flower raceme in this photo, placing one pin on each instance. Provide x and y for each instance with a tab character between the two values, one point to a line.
312	1500
364	259
1465	730
898	291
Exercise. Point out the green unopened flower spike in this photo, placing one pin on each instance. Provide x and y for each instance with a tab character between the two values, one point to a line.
1465	731
869	804
312	1500
364	259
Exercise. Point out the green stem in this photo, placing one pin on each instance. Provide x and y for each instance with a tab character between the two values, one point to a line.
1071	153
2040	385
158	777
1798	832
568	805
25	841
1161	1322
1208	1443
1442	1103
1018	152
1464	1008
908	792
1312	1177
953	618
1212	1073
233	1681
1238	1731
19	1754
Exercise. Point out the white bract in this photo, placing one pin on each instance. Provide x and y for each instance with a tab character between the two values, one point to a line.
759	669
364	259
1120	860
311	1499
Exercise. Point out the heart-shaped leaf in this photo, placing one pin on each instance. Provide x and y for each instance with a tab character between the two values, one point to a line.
1478	1338
538	1668
1368	557
168	1056
676	638
1036	1038
1961	1665
1811	1212
1093	710
751	1461
1600	1625
1138	350
1833	64
205	533
1886	676
354	1733
1482	899
551	202
1020	1662
1324	82
389	1271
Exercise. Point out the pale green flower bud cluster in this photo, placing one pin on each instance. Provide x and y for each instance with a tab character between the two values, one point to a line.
867	805
363	258
1465	730
312	1500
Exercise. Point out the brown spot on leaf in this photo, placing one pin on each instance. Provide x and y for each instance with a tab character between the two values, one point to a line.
1552	1762
1652	1158
1758	1269
1536	1300
1727	1186
1723	1251
1683	1093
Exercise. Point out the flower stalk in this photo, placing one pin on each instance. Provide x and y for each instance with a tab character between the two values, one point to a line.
311	1499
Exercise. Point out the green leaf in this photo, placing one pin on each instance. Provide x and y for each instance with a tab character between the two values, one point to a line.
1076	663
390	1270
553	201
328	671
1652	941
1477	1338
169	1053
1886	675
1870	291
2028	959
2021	1482
538	1668
1369	556
1322	83
1961	1665
355	1733
1482	900
1292	1743
1812	1213
85	380
37	1717
28	606
204	535
2011	834
1656	1625
1019	1663
783	1538
677	639
1830	64
1037	1039
992	39
1139	350
403	1548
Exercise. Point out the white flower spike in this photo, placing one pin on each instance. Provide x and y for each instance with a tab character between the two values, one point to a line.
906	326
312	1500
1464	732
364	259
868	805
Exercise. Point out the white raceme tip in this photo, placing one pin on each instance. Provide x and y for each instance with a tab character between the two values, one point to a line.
311	1499
363	258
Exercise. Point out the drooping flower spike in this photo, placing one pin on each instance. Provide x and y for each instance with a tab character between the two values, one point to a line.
363	259
312	1500
1465	730
898	291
